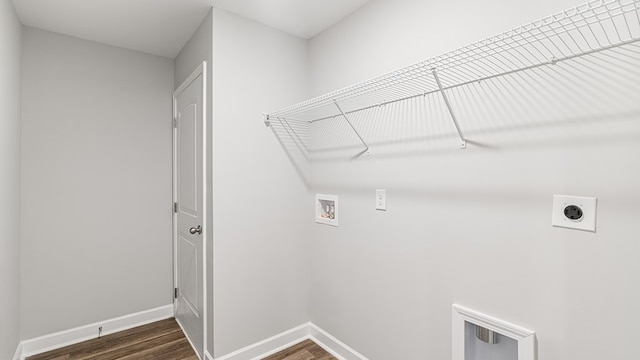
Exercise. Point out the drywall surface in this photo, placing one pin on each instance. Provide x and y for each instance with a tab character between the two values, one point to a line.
473	226
96	195
385	35
10	98
195	51
260	216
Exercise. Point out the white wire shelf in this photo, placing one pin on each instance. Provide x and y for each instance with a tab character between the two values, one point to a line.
583	30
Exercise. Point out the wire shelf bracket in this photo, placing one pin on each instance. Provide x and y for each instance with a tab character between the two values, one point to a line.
366	147
463	141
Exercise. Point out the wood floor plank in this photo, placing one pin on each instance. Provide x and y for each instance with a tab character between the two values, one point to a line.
301	355
161	343
128	343
94	347
306	350
153	352
182	352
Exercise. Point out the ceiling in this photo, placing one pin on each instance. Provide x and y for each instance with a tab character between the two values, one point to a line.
302	18
162	27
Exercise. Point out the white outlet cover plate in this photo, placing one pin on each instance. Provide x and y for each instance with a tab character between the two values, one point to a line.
381	199
589	210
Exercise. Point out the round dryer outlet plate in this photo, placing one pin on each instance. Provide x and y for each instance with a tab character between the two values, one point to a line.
574	212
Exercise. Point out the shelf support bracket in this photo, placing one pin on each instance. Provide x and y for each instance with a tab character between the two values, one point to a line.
463	141
353	128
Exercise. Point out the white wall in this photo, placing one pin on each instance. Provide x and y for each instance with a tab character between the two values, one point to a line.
386	35
473	227
10	98
96	176
260	217
195	51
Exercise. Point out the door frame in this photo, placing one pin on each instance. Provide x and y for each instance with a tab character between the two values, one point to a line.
201	70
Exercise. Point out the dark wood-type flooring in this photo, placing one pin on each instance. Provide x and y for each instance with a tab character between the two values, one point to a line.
162	340
306	350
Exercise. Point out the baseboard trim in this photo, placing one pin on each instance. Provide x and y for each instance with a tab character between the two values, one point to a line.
271	345
18	354
255	351
332	345
72	336
288	338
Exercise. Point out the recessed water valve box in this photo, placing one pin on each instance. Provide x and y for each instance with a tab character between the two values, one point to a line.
477	336
327	209
574	212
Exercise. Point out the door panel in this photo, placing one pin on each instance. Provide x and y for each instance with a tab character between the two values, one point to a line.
187	150
188	172
189	278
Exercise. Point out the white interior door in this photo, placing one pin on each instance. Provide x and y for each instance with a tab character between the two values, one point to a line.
189	214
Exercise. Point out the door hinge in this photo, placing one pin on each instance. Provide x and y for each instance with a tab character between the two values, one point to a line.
175	207
175	123
175	293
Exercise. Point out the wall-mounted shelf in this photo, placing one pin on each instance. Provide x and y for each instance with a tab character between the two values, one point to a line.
586	29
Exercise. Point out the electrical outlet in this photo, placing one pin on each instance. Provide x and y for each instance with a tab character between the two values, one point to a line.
574	212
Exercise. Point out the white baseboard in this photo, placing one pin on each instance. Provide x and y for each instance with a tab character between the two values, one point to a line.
288	338
334	346
18	354
271	345
72	336
255	351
